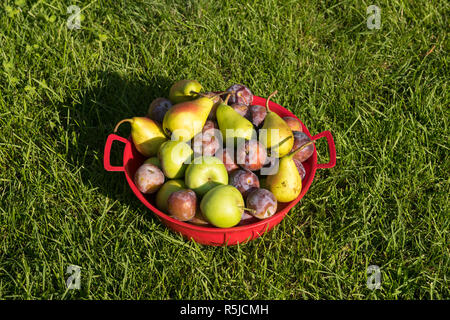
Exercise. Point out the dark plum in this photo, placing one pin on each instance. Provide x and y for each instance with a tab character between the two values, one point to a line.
262	203
257	115
208	141
182	205
300	139
210	147
243	180
148	178
158	109
227	157
251	155
241	95
293	123
242	109
208	128
300	168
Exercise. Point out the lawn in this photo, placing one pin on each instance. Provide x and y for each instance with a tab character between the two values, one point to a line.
383	93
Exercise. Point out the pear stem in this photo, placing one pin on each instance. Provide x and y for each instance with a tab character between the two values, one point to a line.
228	97
247	209
122	121
282	141
268	99
301	148
220	93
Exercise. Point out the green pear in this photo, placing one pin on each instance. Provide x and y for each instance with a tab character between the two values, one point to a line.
184	90
174	157
286	183
275	133
165	191
232	125
184	120
223	206
147	135
204	173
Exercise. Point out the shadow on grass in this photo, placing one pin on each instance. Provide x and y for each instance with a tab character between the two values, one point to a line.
90	116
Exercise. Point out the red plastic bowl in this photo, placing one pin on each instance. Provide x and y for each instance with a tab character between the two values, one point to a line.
209	235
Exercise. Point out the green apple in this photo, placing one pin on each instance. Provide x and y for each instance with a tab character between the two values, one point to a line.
154	161
184	90
174	157
223	206
204	173
165	191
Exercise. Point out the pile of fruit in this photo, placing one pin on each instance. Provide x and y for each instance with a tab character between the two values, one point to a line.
214	158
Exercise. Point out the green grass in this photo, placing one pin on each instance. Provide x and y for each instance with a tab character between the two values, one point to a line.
383	94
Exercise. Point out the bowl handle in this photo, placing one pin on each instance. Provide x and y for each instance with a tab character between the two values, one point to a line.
331	149
106	155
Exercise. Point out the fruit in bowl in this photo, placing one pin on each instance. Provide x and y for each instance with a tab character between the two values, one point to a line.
261	203
165	191
240	94
208	141
301	139
225	185
154	160
185	119
184	90
286	183
251	155
205	173
217	100
232	125
147	135
242	109
148	178
293	123
276	135
199	219
174	157
227	157
257	114
243	180
300	168
182	205
223	206
158	109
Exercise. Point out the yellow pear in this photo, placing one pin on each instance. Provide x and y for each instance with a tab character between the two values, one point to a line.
275	133
184	120
286	183
147	135
184	90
